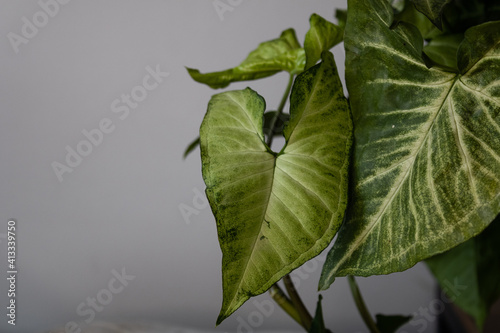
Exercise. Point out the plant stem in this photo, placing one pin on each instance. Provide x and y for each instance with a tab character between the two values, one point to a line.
284	302
360	304
271	131
305	316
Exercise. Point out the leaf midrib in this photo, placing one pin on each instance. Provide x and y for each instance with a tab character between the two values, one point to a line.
357	242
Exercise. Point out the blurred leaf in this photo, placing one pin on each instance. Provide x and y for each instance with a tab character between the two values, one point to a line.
470	273
192	146
390	323
322	36
411	15
341	16
433	9
442	50
274	211
280	122
318	324
281	54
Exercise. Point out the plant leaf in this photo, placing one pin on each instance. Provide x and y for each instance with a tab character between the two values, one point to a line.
391	323
192	146
411	15
442	50
341	16
426	163
433	9
318	324
322	36
275	211
271	57
469	274
278	126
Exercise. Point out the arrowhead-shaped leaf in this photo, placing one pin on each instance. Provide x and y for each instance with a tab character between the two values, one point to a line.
469	274
426	165
322	36
271	57
433	9
275	211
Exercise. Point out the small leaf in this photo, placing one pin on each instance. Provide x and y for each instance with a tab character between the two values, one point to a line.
278	126
295	199
282	54
433	9
341	16
322	36
318	324
192	146
442	50
411	15
390	323
469	274
426	159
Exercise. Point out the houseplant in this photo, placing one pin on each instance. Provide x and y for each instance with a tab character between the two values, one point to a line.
407	168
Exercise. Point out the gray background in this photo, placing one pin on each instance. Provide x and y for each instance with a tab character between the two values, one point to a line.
120	208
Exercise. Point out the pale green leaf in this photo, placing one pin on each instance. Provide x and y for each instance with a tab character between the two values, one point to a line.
322	36
426	164
469	274
275	211
271	57
433	9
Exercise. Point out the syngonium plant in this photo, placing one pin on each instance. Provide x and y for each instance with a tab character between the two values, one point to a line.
407	168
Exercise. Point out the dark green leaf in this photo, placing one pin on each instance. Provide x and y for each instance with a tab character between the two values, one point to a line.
282	54
433	9
390	323
280	122
413	16
442	50
341	16
274	211
470	273
426	164
318	324
192	146
481	49
322	36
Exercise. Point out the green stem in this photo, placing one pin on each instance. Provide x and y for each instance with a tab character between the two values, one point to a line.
305	316
284	302
271	131
360	304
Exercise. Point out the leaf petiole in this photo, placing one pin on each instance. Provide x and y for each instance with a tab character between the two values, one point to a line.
360	304
270	133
